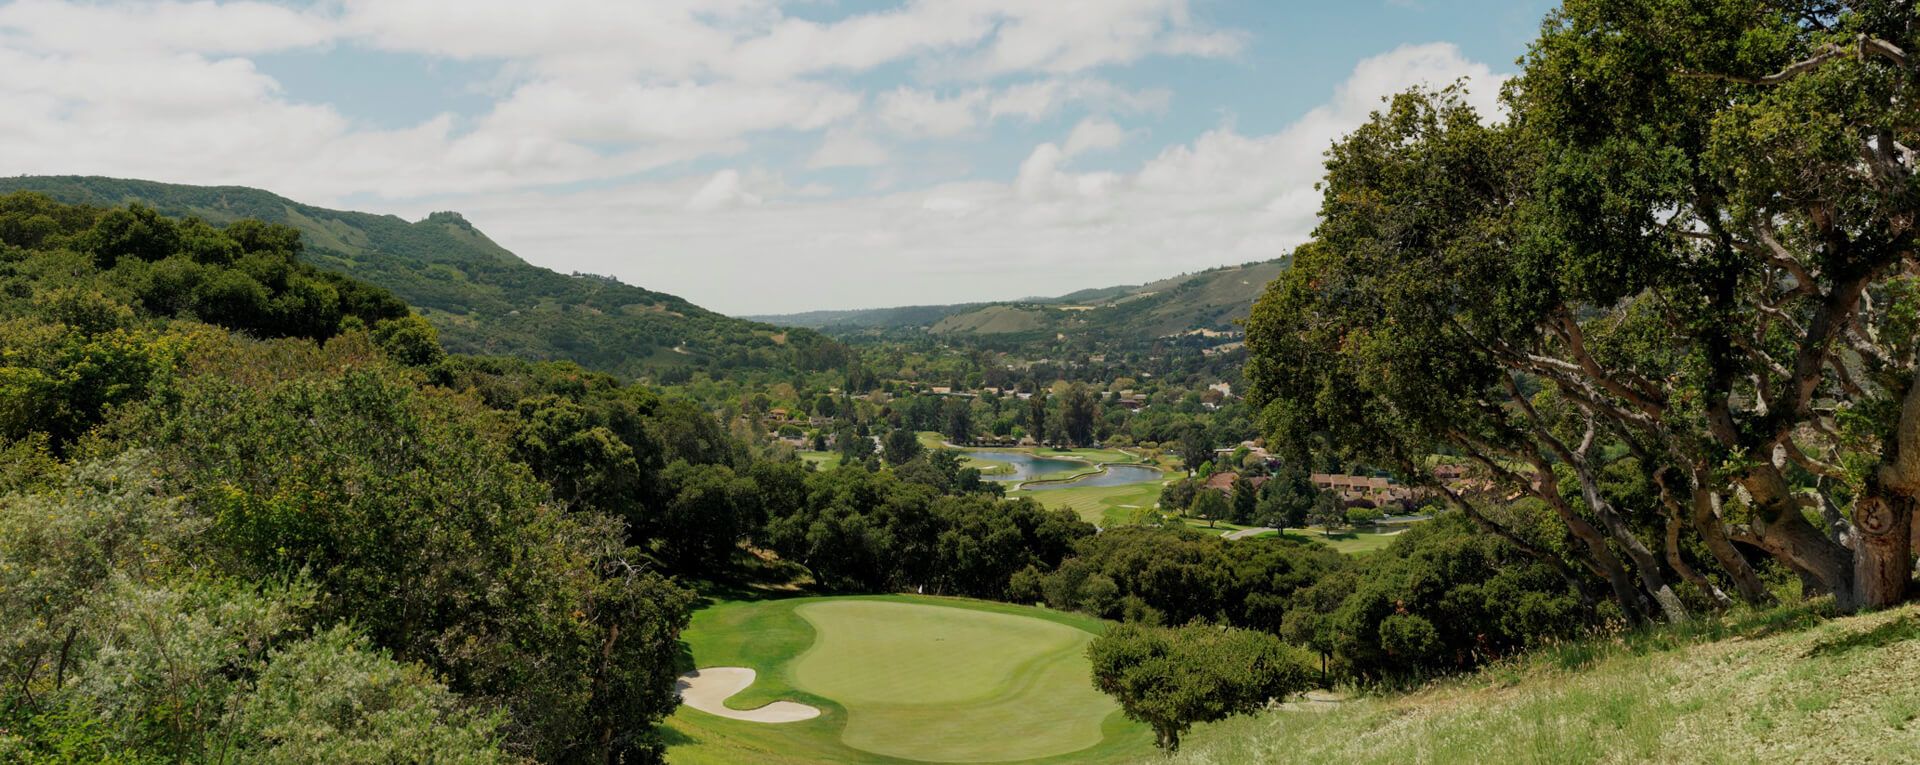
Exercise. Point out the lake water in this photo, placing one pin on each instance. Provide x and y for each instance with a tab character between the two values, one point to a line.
1116	475
1030	466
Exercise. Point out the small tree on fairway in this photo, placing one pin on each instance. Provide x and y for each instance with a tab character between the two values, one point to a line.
1246	501
902	446
1209	505
957	419
1177	495
1195	445
1327	512
1362	516
1170	679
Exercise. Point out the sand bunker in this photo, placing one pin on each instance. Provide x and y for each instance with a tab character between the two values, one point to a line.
708	689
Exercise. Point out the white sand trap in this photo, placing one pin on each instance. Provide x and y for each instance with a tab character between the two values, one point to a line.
708	690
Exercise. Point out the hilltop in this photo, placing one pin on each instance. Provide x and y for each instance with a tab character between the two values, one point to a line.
1209	300
483	298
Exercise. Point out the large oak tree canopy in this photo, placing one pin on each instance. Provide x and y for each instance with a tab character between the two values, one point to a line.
1671	290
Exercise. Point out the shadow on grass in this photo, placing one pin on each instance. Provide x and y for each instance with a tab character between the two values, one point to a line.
1743	624
1898	630
673	737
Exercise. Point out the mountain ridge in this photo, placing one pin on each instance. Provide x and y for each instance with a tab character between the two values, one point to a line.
483	298
1213	299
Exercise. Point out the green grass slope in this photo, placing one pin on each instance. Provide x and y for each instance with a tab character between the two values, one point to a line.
903	679
1776	687
483	298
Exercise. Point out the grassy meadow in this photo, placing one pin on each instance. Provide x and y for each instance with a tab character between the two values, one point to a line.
1779	686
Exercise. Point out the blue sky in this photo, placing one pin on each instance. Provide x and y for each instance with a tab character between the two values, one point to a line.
751	155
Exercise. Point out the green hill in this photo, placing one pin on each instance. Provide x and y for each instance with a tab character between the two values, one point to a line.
483	298
1782	686
1209	300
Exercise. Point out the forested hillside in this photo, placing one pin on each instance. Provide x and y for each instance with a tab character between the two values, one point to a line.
1214	299
253	511
481	297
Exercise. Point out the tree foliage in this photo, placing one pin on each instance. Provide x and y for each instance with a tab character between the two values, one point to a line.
1171	679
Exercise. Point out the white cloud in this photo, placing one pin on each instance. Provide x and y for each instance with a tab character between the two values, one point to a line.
605	90
722	191
1094	134
1076	35
923	113
586	90
1039	99
920	113
847	148
683	111
162	27
1225	197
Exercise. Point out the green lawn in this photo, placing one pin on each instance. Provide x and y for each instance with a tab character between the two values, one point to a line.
1105	506
822	460
1352	541
1216	527
904	679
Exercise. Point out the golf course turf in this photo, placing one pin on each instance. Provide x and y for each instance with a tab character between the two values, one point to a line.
903	679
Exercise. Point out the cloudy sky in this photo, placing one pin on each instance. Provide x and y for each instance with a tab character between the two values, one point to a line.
758	156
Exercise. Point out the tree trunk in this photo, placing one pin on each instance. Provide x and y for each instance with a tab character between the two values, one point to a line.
1687	572
1598	552
1167	738
1882	548
1706	522
1643	561
1702	512
1781	530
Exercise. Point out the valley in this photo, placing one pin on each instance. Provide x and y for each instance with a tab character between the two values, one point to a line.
1545	391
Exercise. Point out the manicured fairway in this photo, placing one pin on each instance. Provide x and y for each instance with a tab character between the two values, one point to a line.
1104	506
903	679
1351	542
951	685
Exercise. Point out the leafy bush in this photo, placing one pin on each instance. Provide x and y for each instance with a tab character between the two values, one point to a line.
1173	678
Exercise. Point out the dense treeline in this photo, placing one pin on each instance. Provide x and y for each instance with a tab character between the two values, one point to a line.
1441	598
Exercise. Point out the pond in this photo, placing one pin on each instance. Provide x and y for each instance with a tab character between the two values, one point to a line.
1116	475
1028	466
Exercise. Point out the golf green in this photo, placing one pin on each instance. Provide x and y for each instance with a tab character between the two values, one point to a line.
905	678
949	685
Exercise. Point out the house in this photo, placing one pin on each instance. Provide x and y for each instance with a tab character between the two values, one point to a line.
1363	491
1225	388
1223	482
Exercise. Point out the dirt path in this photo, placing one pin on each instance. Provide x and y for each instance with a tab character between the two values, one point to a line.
708	689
